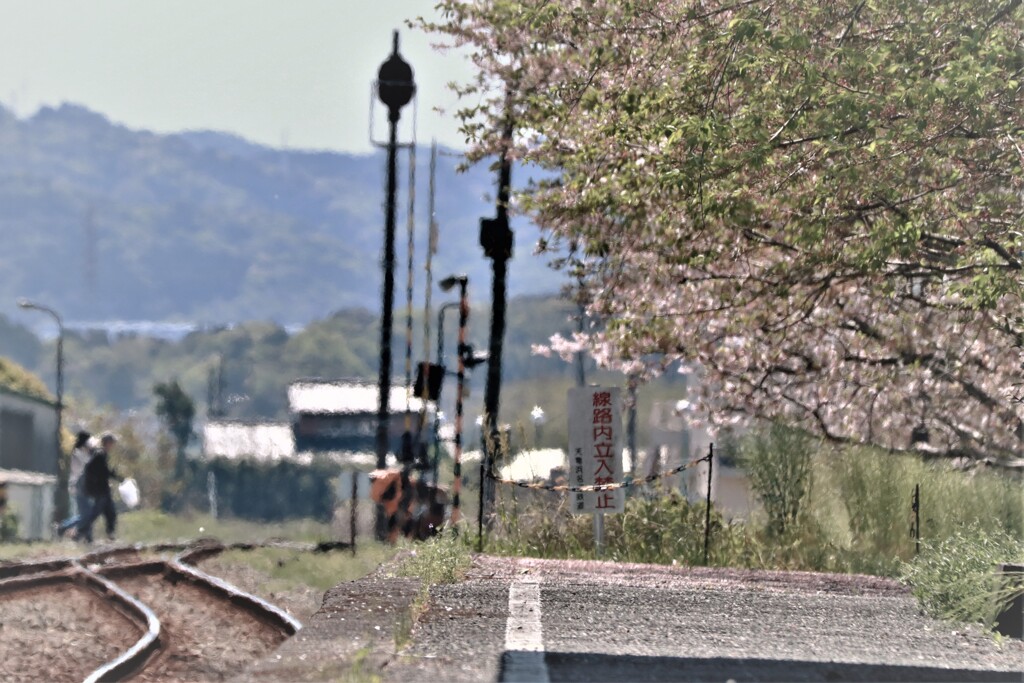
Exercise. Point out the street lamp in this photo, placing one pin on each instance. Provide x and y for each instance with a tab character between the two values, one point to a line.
61	494
395	88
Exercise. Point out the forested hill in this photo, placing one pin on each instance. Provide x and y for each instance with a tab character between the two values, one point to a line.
102	222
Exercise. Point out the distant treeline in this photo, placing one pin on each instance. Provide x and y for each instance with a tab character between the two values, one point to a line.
245	369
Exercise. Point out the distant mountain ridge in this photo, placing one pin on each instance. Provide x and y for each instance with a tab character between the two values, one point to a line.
102	222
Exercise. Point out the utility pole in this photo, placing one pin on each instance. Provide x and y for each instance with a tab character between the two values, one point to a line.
496	240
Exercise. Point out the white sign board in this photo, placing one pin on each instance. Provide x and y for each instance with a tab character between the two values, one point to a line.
595	448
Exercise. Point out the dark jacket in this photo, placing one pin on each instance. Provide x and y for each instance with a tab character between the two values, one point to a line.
98	475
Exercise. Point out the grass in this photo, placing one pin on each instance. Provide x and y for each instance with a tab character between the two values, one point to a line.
287	569
360	669
154	526
148	526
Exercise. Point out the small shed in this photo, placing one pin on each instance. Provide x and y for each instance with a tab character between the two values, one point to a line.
30	496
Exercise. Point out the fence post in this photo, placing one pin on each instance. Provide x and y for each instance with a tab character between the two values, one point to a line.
707	509
1010	621
915	530
211	492
353	509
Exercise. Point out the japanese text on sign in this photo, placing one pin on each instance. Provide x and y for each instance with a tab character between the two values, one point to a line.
595	447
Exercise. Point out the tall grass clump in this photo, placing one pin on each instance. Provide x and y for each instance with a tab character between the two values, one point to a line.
441	559
787	531
875	490
875	493
956	578
777	461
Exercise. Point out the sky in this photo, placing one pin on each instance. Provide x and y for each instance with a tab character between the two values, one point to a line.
291	74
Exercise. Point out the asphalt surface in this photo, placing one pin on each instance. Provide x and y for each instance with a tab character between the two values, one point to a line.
543	620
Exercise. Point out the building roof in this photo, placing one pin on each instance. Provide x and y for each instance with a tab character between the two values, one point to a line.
344	397
273	441
259	440
23	477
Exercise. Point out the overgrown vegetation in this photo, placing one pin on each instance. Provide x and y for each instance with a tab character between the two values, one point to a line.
13	377
954	578
778	462
821	510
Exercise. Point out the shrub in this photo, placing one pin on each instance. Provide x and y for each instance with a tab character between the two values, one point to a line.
955	578
264	491
659	528
8	525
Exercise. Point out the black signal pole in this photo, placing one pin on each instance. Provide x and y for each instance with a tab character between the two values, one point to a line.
395	88
496	240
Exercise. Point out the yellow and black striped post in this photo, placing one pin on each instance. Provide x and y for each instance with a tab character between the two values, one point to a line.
460	392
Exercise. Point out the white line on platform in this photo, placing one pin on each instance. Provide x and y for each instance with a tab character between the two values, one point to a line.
524	639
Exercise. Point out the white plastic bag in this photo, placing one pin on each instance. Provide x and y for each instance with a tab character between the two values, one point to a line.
129	491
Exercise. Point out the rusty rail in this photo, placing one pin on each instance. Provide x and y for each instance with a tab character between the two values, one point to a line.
134	659
101	580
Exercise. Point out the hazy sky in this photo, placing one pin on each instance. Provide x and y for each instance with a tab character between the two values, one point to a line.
293	73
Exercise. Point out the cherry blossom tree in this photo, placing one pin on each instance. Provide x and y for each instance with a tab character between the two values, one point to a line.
819	205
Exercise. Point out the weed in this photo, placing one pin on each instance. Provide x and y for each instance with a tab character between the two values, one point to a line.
442	559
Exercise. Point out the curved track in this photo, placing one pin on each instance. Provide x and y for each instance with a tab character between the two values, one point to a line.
114	615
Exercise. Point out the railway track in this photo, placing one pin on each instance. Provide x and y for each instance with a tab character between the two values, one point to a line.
124	613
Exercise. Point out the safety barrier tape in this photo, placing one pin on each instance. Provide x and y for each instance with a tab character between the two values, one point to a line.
593	488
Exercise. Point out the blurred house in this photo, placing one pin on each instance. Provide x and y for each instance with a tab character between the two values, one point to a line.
341	415
28	432
336	419
674	441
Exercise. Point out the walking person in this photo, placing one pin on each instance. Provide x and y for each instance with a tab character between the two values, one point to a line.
80	456
97	486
